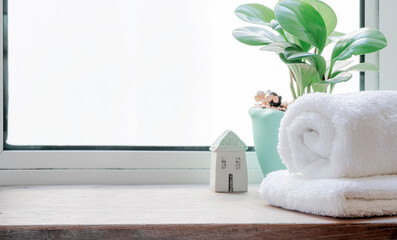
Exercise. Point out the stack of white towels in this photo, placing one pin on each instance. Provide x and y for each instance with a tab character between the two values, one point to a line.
341	154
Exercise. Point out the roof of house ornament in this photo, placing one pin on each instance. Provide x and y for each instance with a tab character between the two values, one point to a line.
228	141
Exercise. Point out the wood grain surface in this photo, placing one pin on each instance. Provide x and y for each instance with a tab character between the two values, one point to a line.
166	212
204	232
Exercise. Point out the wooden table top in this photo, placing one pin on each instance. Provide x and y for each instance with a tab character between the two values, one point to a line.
158	209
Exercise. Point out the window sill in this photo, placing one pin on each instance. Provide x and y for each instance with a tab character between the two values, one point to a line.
168	211
111	167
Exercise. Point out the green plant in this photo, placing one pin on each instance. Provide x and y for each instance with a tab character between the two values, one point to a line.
298	31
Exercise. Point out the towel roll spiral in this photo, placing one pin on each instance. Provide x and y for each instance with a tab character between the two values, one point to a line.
341	135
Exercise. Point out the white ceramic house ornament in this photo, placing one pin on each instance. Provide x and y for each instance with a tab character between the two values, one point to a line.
228	164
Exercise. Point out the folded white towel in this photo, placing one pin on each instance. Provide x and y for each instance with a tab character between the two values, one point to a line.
341	135
345	197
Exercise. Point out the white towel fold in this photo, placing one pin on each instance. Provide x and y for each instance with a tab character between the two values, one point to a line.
340	135
358	197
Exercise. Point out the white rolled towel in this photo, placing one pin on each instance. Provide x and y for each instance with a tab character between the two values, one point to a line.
340	135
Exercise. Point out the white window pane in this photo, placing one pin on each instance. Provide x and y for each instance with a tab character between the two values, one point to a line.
137	72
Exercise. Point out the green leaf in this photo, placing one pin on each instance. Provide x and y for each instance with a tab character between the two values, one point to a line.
341	77
304	45
341	64
276	26
328	15
303	21
336	67
285	60
335	36
256	36
255	13
304	75
335	73
316	60
361	41
320	87
278	47
295	53
362	67
319	62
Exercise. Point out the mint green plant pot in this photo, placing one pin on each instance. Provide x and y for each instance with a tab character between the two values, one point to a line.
265	125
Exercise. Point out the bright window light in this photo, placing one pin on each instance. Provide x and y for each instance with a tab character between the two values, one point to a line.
138	72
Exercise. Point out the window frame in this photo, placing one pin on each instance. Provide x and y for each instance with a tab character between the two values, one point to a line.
44	167
369	17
